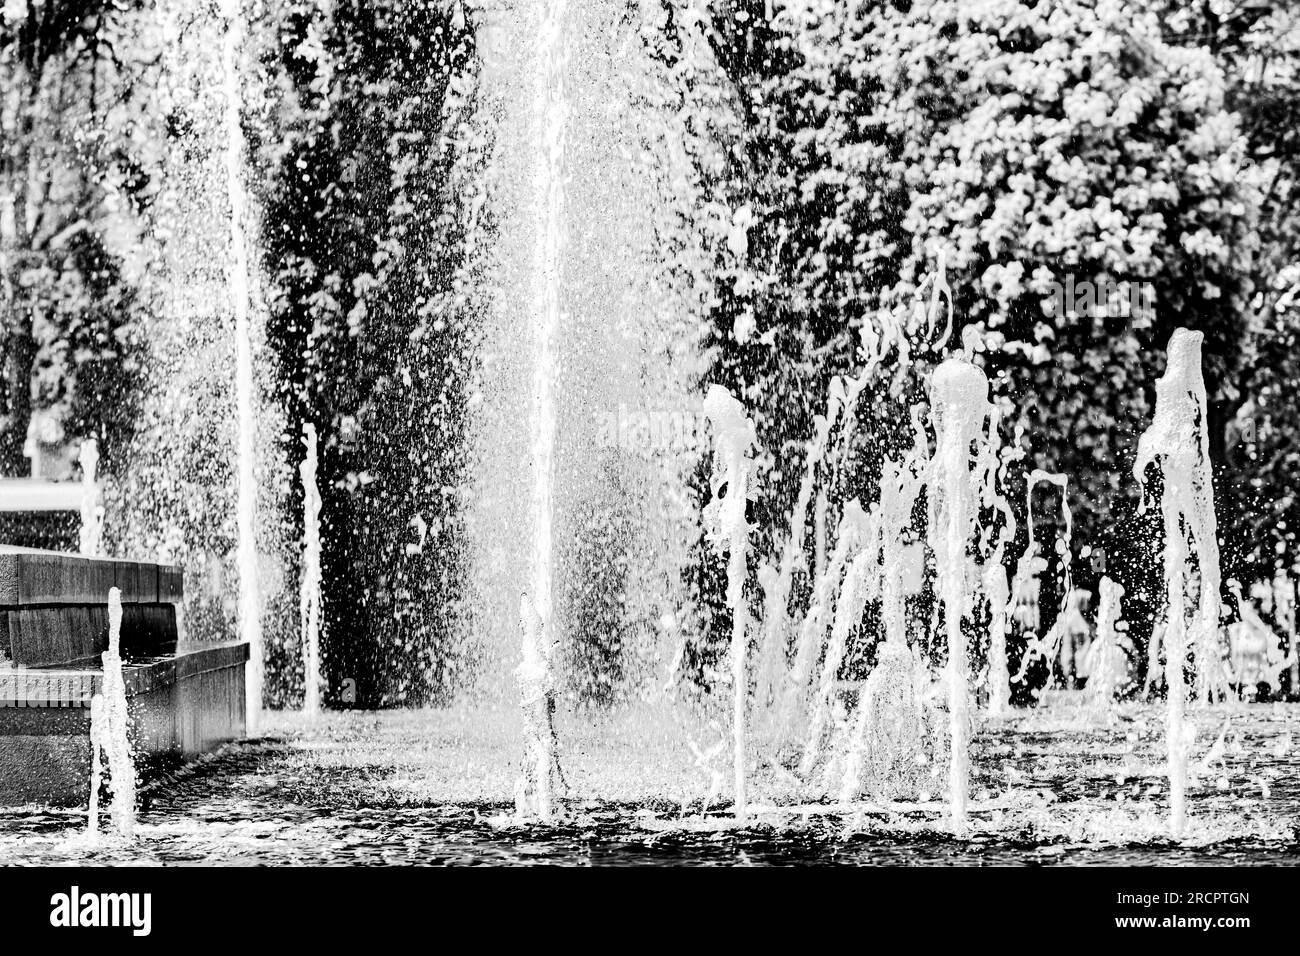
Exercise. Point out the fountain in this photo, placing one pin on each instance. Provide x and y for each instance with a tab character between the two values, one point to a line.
859	679
108	732
240	290
1049	646
92	512
1177	443
887	739
961	406
310	585
1106	665
727	528
536	683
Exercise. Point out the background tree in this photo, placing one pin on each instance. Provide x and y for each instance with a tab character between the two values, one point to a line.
70	184
365	226
1028	142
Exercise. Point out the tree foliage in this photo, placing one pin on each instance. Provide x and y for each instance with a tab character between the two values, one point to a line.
366	227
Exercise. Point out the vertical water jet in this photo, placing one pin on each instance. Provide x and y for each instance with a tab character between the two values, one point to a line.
240	288
727	529
1105	656
959	398
108	733
536	681
1177	442
92	511
310	587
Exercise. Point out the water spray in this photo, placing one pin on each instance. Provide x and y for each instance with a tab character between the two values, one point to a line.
310	587
727	530
1177	442
109	741
240	287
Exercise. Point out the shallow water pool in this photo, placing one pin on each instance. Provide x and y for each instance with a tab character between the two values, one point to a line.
434	787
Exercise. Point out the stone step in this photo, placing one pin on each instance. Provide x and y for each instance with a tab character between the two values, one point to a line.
180	707
67	634
49	577
54	607
74	687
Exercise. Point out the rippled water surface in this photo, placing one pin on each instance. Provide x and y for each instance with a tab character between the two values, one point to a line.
435	787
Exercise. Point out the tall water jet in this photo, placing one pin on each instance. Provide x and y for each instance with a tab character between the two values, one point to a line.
728	531
92	511
310	587
108	733
240	289
1177	442
959	397
536	681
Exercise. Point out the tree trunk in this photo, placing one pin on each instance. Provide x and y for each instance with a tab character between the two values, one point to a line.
18	348
20	353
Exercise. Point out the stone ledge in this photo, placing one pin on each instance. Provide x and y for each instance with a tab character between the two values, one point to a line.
73	687
54	607
30	577
180	707
68	634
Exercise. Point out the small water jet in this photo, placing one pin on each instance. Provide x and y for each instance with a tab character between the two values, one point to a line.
1107	664
1049	646
536	789
776	582
884	754
851	536
108	733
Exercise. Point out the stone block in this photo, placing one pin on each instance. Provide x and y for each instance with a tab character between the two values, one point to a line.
127	578
171	584
179	707
45	636
48	577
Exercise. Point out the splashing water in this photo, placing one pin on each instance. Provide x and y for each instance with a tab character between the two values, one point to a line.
801	695
535	791
1105	657
108	733
728	531
1178	443
250	616
777	583
92	512
1000	595
310	586
536	683
959	396
887	739
882	746
1047	647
